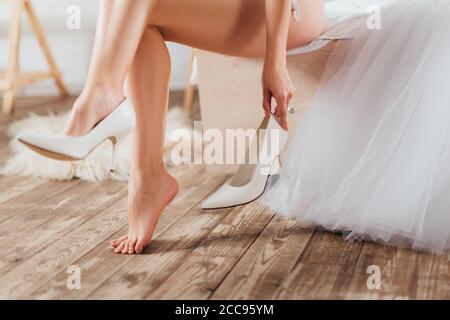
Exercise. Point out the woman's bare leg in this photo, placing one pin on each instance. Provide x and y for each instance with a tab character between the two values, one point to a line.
150	187
119	30
234	27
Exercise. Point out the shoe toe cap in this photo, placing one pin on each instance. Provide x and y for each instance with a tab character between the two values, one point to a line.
217	200
226	196
210	203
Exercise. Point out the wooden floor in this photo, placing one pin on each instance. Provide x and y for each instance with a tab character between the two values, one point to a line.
242	253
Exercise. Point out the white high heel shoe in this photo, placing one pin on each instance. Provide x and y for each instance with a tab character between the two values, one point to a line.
115	127
249	182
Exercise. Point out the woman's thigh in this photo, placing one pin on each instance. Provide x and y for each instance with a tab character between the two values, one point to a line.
232	27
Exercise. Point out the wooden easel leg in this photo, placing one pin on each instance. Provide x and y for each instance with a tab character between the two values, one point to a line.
12	69
39	32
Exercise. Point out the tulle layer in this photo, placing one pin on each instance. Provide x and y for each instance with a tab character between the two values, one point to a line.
371	156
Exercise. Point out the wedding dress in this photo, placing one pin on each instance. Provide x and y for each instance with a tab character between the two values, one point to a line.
371	157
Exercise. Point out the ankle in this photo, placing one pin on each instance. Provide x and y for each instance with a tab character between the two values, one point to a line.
148	166
147	179
101	97
106	85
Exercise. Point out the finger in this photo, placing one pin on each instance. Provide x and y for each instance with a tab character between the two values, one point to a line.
289	99
288	104
283	120
267	102
281	112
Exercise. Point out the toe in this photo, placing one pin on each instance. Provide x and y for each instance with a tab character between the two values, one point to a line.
131	246
115	243
125	247
139	247
120	247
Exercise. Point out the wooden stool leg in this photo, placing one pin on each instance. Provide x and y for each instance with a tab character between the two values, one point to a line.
39	32
8	101
190	88
12	69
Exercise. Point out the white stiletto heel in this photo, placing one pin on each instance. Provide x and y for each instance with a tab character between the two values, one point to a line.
115	142
117	125
276	167
249	182
114	146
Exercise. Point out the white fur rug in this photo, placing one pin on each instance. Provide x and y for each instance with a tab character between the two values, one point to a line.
95	167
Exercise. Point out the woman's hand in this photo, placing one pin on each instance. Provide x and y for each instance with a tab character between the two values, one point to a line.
275	80
277	85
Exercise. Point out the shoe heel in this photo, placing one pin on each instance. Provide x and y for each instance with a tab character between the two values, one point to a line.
116	141
112	162
276	166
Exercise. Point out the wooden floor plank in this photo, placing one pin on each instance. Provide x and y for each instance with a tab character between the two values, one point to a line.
268	262
209	263
242	253
101	263
433	277
53	220
24	223
34	272
324	270
405	274
13	186
162	257
67	208
24	202
38	105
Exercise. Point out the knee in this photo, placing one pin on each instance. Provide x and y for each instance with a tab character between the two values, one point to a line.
153	45
152	33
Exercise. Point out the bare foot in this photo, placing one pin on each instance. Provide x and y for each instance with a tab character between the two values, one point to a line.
145	205
92	106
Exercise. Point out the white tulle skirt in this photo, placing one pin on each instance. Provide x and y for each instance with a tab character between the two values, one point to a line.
371	157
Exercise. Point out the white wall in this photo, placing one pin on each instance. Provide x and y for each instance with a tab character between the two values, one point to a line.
71	48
